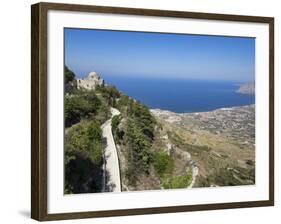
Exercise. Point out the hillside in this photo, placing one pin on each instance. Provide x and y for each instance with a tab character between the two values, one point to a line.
221	143
154	149
146	159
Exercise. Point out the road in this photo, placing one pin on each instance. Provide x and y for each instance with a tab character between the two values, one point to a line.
111	179
195	171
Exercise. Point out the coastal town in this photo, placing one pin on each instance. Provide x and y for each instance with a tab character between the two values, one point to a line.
235	123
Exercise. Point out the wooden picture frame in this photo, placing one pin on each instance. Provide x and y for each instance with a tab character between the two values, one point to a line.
39	110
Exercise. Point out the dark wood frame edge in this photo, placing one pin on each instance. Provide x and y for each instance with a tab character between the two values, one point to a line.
39	110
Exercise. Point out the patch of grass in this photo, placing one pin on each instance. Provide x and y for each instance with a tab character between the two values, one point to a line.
163	163
178	141
227	176
181	181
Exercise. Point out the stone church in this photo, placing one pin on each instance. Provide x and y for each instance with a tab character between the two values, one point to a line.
90	82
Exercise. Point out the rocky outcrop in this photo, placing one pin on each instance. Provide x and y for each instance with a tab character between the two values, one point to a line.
90	82
247	88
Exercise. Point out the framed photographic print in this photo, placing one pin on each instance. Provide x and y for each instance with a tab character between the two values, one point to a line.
139	111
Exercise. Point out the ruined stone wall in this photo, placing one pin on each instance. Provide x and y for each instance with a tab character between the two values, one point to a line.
90	82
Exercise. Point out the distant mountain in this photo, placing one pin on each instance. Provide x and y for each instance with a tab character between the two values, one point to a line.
247	88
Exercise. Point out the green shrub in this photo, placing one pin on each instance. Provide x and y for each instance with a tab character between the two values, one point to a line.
115	122
103	114
139	135
86	138
69	76
163	163
123	102
144	119
182	181
70	84
139	153
83	157
139	113
109	94
80	106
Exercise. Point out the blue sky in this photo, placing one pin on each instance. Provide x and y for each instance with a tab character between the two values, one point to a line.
154	55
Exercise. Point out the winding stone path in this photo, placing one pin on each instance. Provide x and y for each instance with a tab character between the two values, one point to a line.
111	175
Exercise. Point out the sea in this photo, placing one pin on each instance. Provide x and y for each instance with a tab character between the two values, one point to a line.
182	96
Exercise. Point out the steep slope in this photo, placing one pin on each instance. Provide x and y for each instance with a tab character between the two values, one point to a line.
151	149
220	142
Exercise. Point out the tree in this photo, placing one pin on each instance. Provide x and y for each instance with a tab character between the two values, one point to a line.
70	84
163	163
83	158
80	106
139	152
69	76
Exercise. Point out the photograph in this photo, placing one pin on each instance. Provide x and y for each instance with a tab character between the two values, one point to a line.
157	111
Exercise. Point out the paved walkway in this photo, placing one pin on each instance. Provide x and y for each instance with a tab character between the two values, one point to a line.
111	168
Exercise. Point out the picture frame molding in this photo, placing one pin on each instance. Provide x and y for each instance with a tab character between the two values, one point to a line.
39	106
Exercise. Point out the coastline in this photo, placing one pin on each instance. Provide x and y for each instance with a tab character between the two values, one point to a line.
221	142
236	124
158	110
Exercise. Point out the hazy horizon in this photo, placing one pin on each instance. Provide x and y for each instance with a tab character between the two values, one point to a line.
155	56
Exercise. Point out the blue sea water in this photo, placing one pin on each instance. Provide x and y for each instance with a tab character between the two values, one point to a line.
182	95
